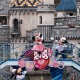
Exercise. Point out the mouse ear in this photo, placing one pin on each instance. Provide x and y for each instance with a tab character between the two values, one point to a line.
33	38
40	35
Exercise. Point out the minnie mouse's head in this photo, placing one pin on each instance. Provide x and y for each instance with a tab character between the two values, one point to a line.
37	37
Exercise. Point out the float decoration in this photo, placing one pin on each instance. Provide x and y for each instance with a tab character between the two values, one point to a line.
30	65
41	56
22	63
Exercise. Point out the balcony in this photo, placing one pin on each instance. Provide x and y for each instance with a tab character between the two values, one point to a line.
14	31
66	21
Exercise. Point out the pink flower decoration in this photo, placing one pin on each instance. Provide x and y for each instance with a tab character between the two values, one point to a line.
55	64
41	63
22	63
49	52
52	59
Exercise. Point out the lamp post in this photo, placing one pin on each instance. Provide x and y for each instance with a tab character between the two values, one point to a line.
16	54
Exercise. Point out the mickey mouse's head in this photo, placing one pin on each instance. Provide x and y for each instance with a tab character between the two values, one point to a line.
19	70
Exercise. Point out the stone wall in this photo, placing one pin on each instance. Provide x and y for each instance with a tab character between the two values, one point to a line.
64	21
71	33
3	7
4	33
47	13
29	20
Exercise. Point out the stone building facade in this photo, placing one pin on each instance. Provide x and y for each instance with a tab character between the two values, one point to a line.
67	21
3	11
28	17
4	28
25	16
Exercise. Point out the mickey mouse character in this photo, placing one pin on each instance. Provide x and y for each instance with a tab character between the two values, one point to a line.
18	73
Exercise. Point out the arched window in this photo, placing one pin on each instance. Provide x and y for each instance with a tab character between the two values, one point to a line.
15	25
40	19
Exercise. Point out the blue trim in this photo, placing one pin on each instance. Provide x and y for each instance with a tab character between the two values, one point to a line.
75	68
17	59
3	62
30	60
68	60
13	60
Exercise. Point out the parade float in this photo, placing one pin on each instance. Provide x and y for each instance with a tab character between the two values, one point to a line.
39	56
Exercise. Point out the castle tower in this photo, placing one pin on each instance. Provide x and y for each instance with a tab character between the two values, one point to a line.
46	18
26	15
23	17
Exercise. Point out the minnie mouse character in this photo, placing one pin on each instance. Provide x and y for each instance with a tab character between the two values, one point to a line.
41	53
38	43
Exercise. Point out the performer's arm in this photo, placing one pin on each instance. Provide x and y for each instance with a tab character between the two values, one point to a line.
20	77
24	72
13	70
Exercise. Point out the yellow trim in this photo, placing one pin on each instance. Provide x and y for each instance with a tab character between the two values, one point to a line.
12	5
15	3
31	1
20	1
36	3
27	3
22	4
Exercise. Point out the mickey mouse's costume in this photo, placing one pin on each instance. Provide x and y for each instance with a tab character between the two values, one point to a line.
18	73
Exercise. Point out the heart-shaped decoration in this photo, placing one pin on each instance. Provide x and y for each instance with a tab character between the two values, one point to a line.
41	63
